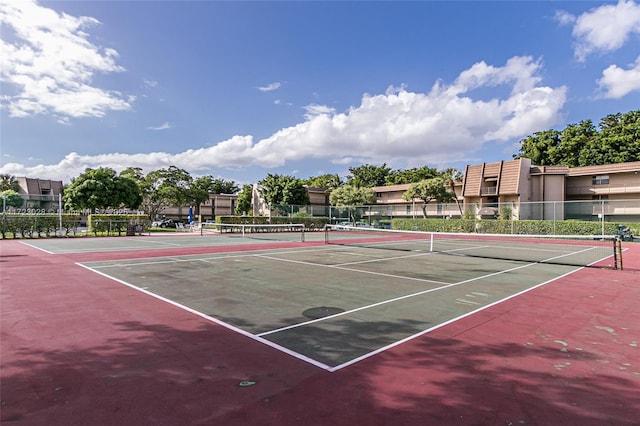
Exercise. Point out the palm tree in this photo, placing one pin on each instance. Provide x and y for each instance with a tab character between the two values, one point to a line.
451	176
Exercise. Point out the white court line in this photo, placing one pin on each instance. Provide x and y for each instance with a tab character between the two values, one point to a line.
202	257
359	262
36	247
259	337
216	321
395	299
353	270
452	320
425	253
154	243
102	249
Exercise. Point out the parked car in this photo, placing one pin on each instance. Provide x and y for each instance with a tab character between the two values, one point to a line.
343	225
165	223
362	225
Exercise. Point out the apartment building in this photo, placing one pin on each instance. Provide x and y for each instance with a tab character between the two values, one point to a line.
529	191
614	188
40	194
533	192
216	205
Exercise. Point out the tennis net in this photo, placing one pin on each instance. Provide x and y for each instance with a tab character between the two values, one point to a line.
279	232
574	250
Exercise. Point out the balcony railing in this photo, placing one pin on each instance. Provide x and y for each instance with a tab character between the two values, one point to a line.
632	188
39	197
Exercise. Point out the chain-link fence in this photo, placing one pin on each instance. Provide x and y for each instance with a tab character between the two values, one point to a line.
626	212
548	210
603	211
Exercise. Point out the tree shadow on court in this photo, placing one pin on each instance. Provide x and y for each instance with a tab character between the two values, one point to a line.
140	373
449	381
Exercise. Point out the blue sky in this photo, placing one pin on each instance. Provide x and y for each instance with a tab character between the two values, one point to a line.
242	89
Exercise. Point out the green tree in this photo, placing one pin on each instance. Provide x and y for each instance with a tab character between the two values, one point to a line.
451	176
221	186
352	196
399	177
201	188
620	137
175	185
279	190
199	191
11	198
8	182
434	189
326	181
163	188
152	202
541	148
616	141
100	189
368	175
133	173
575	140
243	202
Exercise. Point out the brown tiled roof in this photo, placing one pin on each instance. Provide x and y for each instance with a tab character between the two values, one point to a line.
492	169
549	170
473	180
510	178
607	168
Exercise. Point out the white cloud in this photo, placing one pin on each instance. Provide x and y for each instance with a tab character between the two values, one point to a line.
401	126
315	110
617	82
164	126
605	28
270	87
564	18
50	64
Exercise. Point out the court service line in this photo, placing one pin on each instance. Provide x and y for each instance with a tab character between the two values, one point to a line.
352	270
215	320
395	299
401	297
452	320
359	262
36	247
426	253
197	258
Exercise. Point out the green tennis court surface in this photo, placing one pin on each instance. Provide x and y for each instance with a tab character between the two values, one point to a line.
331	305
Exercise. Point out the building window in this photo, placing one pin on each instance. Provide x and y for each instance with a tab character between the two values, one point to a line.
600	180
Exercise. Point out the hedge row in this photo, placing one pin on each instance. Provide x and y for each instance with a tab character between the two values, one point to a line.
488	226
25	225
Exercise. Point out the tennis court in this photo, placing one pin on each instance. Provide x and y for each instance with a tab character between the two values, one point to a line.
153	241
333	305
347	327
